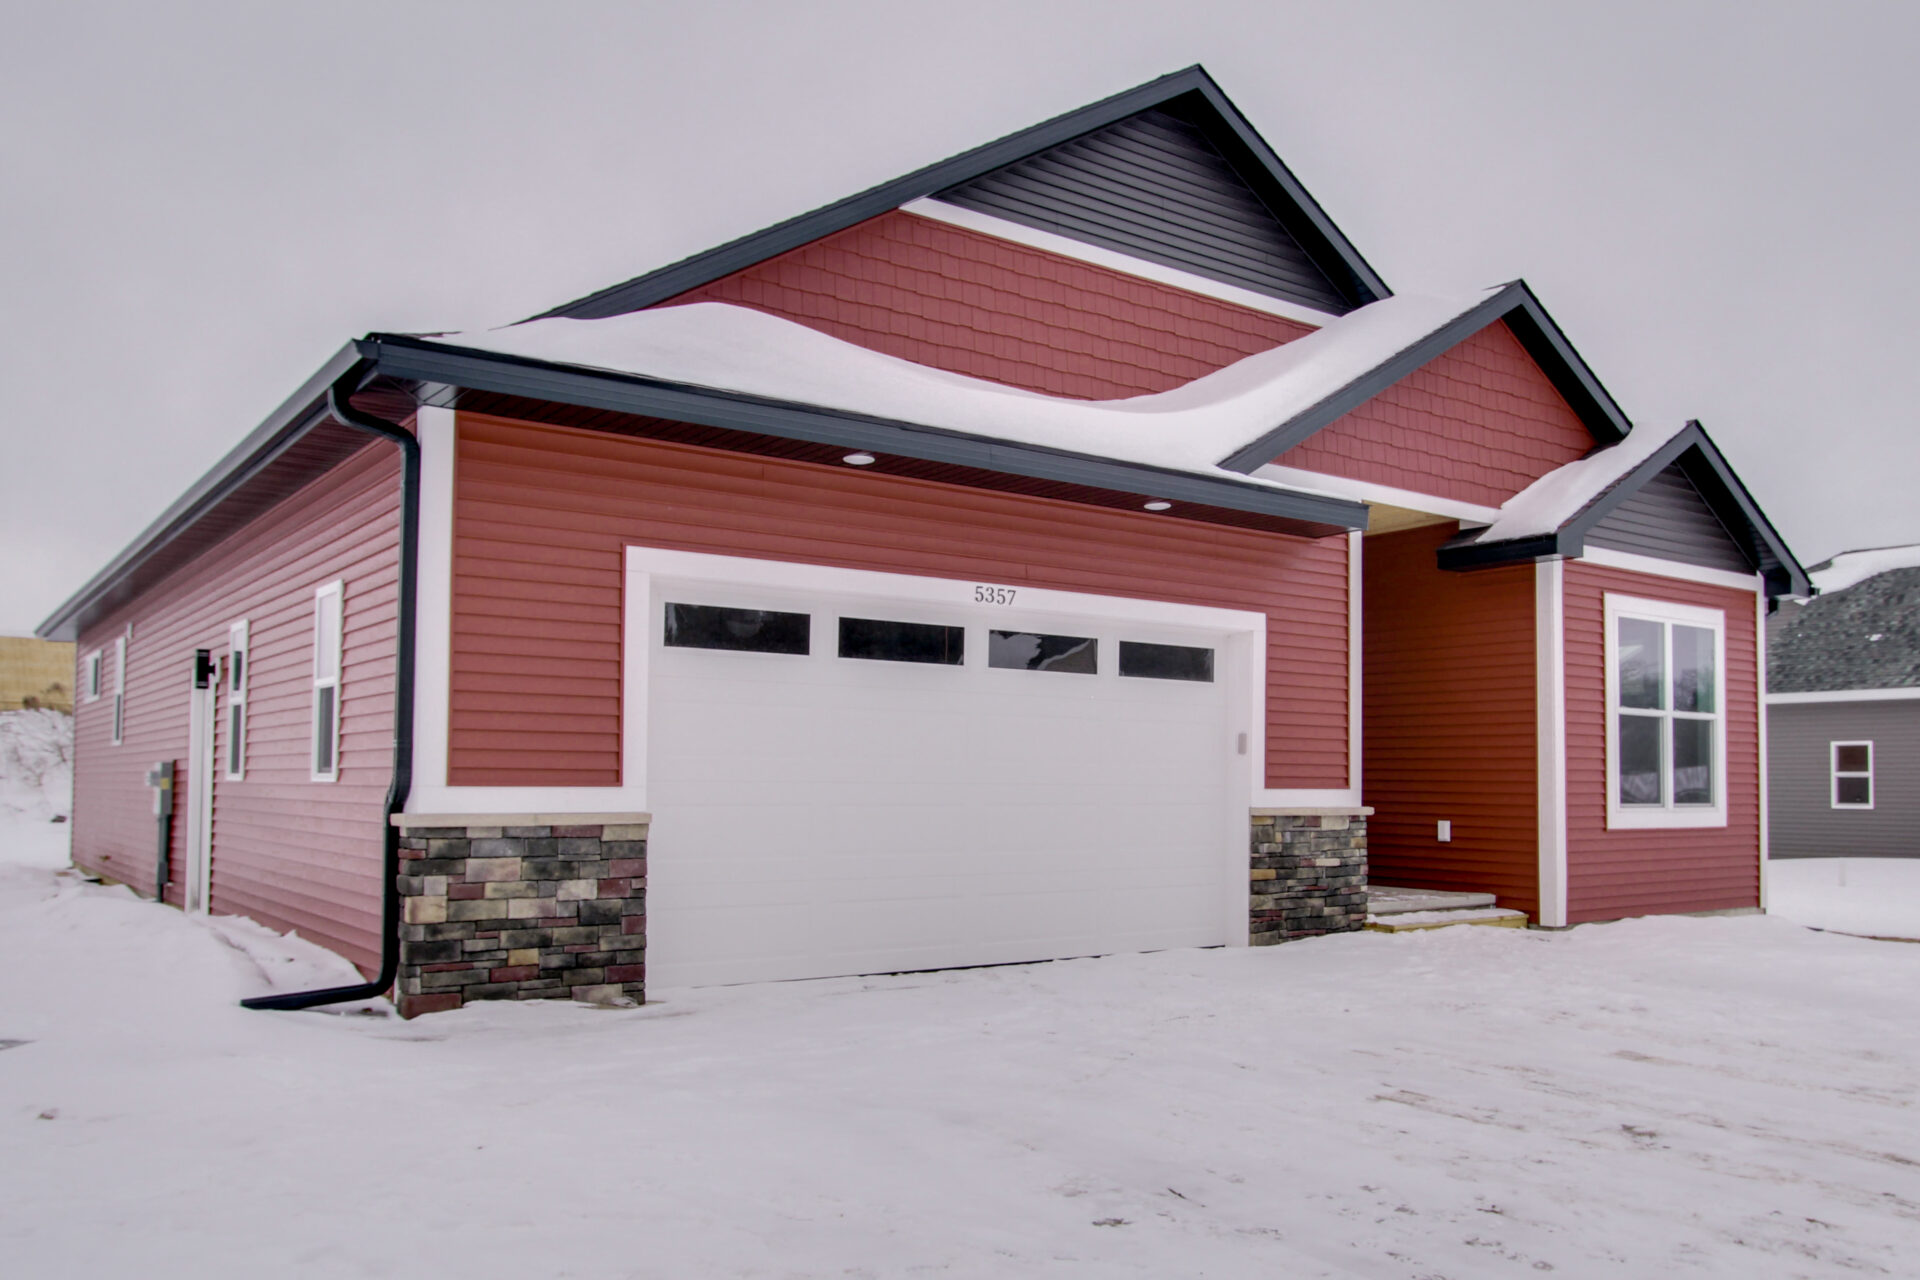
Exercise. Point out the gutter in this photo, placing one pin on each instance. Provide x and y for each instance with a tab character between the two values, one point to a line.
339	404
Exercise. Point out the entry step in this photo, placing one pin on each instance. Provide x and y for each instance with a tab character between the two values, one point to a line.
1406	921
1390	900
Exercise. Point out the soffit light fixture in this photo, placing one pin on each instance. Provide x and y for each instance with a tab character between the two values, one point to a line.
1156	505
858	459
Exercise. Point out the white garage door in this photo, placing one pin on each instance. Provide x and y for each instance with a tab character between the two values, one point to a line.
964	786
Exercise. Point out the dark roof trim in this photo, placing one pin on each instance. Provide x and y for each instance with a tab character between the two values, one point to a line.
279	432
1318	235
415	359
1530	323
1723	492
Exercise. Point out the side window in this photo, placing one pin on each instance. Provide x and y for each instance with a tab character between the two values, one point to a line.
1666	728
119	690
706	626
238	675
882	640
1851	765
90	678
1165	662
327	619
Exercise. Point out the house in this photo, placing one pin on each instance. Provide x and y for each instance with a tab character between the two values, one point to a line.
1073	546
1843	711
35	673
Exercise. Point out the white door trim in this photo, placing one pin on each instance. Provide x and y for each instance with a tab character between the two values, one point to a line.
201	710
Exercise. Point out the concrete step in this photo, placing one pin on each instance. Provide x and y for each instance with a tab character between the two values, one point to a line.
1391	900
1405	921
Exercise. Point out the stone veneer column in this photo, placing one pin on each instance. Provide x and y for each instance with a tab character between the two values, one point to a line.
521	907
1308	873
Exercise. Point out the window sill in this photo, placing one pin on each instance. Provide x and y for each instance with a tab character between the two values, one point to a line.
1620	819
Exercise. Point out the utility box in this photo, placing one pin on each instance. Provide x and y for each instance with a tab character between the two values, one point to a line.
160	778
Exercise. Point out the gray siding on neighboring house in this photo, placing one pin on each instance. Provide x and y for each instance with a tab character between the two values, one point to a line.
1802	820
1668	518
1153	186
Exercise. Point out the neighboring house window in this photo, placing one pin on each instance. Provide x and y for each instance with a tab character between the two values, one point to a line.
119	690
326	682
1852	769
90	681
1666	714
238	677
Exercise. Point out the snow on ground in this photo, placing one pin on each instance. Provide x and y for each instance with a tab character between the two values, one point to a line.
1873	897
1716	1097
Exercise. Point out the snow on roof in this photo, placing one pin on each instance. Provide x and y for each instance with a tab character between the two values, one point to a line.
1189	428
1561	494
1851	567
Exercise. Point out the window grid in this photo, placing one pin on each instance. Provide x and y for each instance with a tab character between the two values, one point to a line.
1675	748
1850	775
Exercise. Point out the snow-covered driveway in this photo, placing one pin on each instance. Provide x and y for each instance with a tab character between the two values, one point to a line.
1677	1097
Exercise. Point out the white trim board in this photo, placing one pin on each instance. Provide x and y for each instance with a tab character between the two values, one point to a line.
1668	816
1468	513
1844	695
1356	658
1112	260
1760	685
1653	565
1550	721
433	618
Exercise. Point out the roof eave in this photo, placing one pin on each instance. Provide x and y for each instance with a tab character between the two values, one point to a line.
1537	332
278	431
415	359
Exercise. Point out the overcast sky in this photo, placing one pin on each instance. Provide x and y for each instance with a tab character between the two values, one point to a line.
201	202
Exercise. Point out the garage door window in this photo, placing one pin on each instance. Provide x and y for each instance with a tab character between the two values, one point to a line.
1035	651
1165	661
885	641
705	626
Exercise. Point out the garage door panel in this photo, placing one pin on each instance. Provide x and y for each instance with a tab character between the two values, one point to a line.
816	815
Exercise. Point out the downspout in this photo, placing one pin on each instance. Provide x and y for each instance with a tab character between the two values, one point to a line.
341	406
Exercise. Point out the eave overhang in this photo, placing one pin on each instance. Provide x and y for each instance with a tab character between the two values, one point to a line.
1530	323
1704	464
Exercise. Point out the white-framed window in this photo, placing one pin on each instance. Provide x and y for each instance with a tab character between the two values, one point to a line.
90	677
239	675
1851	769
1666	714
327	618
119	690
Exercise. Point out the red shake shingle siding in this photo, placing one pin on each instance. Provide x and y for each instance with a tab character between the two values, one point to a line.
1450	721
543	514
954	299
1477	424
289	852
1611	874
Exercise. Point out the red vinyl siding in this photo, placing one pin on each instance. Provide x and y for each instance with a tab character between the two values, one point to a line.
1611	874
1450	721
289	852
1478	424
542	515
955	299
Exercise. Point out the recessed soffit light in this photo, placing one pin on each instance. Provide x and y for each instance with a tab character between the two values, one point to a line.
1157	505
858	459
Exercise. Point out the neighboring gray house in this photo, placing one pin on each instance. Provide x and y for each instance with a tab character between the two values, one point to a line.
1843	711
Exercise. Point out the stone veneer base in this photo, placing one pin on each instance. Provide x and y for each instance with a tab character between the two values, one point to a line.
545	911
1308	874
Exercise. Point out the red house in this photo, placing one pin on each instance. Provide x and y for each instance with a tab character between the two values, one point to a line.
1070	547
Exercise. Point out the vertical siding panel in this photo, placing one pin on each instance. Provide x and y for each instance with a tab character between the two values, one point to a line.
290	853
1477	424
1450	721
542	516
1611	874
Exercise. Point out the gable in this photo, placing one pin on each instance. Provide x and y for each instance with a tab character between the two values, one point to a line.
1477	423
1668	518
1155	187
955	299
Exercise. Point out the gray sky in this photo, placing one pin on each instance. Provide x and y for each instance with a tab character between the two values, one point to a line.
200	202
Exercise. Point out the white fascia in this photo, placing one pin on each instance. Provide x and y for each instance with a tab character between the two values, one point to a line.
1656	567
1550	719
1845	695
1112	260
1467	513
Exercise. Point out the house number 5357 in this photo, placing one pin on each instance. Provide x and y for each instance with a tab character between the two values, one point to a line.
993	595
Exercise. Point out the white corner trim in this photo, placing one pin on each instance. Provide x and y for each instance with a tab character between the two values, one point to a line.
1356	658
1292	799
1470	513
1126	264
433	614
1550	718
1760	684
1657	567
1845	695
